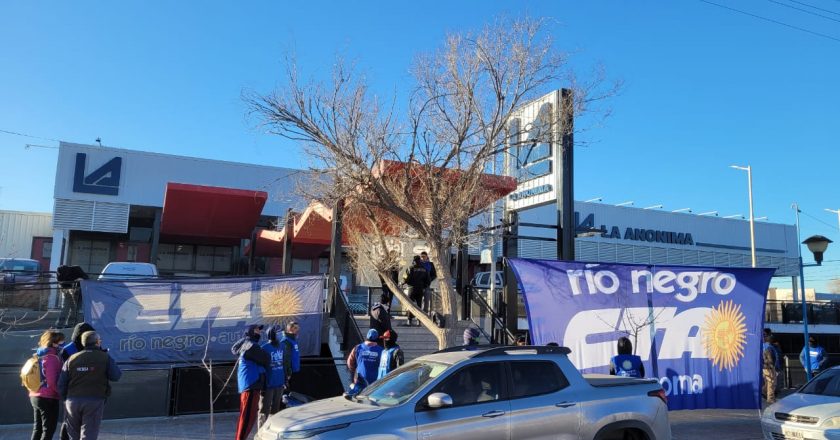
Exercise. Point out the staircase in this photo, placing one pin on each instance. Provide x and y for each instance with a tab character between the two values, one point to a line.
414	341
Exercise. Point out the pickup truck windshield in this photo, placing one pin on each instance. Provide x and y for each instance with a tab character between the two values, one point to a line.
401	384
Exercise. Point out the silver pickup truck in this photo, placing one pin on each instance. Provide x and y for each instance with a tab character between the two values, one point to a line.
488	393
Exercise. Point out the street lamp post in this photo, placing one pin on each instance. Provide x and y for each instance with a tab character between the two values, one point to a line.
835	211
817	244
748	169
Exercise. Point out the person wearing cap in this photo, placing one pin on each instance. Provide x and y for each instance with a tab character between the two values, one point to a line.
252	366
471	335
363	361
816	354
271	397
392	356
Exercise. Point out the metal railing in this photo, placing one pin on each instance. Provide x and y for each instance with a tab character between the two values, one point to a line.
488	321
343	315
790	312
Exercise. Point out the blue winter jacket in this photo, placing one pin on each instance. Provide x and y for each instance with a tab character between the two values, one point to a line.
253	363
276	377
291	353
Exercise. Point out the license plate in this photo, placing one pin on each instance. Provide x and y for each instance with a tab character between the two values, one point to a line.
792	434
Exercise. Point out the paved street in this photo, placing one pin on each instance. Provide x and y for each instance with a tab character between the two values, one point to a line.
686	425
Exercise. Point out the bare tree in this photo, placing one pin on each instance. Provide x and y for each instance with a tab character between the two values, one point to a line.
420	175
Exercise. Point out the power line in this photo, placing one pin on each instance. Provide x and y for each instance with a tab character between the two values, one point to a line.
773	21
816	219
815	7
804	10
28	135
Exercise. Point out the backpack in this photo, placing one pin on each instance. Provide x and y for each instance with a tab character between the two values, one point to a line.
30	374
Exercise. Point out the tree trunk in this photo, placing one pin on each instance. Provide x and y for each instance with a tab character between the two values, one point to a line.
449	300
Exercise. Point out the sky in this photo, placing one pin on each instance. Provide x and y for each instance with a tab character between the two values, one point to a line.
704	87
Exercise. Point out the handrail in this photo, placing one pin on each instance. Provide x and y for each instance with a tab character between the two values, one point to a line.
498	323
350	332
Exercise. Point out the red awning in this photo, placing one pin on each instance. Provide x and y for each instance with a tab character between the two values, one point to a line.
210	212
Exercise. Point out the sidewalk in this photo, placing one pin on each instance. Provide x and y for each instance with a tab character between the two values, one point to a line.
685	425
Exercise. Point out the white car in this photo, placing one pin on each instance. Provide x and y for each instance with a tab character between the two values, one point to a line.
812	412
128	271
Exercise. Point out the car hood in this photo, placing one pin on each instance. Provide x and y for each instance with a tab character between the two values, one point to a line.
811	405
327	412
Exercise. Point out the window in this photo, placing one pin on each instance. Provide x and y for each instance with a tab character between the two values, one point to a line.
533	378
46	250
473	384
826	384
402	383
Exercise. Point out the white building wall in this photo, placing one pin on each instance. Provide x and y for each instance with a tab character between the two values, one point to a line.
17	229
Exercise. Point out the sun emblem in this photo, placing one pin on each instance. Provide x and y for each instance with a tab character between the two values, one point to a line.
725	334
280	300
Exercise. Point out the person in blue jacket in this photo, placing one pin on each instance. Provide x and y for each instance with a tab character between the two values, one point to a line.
392	356
252	366
291	352
817	356
363	361
626	364
271	397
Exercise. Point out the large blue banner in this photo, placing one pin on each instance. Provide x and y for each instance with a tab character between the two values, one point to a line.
177	322
698	330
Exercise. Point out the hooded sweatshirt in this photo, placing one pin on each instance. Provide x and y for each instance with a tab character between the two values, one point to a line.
50	365
276	376
75	345
471	336
253	361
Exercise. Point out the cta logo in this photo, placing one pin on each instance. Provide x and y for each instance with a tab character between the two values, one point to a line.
104	180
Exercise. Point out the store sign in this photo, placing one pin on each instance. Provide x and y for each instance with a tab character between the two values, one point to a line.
530	192
634	233
104	180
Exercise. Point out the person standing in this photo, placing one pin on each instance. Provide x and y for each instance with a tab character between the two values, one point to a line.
271	397
770	367
45	402
85	384
427	293
817	356
251	371
291	353
75	344
392	356
471	335
625	363
417	279
363	361
380	319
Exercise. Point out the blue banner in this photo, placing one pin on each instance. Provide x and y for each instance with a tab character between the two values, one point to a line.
176	322
698	330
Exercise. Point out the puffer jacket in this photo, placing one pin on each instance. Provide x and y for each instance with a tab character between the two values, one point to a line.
50	365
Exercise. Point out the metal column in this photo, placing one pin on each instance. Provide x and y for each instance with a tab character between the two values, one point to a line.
511	250
335	254
564	177
287	242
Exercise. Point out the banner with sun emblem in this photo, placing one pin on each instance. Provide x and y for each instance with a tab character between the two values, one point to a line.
181	322
697	330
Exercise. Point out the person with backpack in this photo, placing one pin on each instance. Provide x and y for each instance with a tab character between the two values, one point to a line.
363	362
252	365
392	356
85	384
40	377
625	363
271	397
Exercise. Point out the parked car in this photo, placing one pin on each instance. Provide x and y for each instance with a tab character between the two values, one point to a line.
20	272
128	271
481	280
489	393
812	412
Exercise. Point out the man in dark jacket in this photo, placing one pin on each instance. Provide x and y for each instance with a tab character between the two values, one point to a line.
68	278
430	268
291	352
418	281
392	356
84	384
380	319
252	366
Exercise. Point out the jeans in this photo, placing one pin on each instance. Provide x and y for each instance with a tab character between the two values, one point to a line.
46	417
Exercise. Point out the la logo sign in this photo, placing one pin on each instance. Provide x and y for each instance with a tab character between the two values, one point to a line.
104	180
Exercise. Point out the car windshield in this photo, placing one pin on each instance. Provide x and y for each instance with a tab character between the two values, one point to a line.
19	266
402	383
826	384
127	271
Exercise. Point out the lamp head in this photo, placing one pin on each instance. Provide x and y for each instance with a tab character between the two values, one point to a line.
817	244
